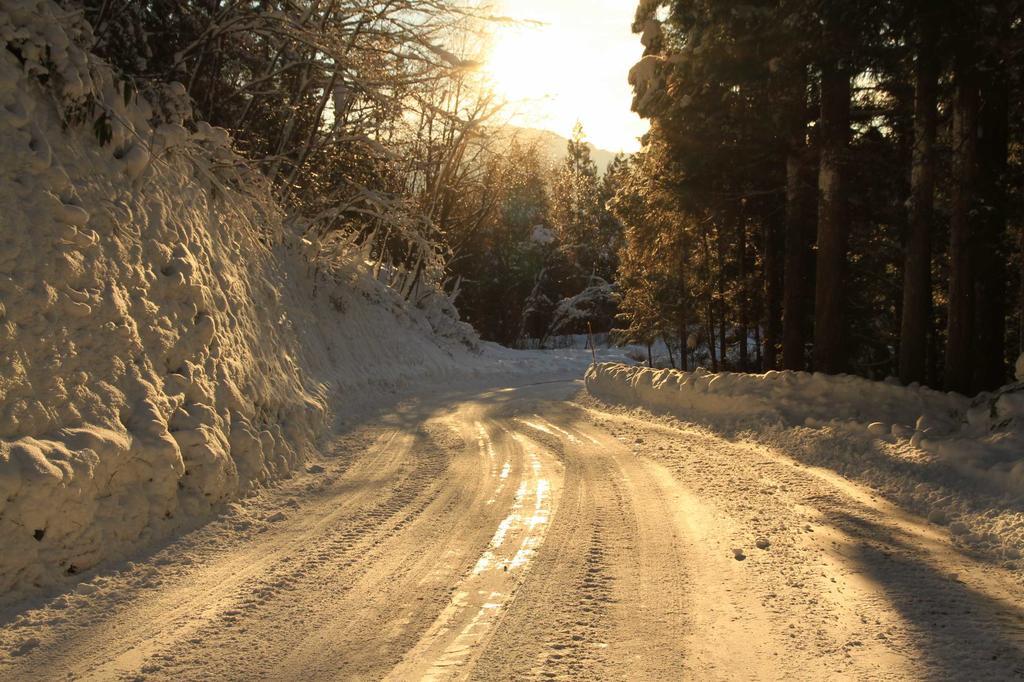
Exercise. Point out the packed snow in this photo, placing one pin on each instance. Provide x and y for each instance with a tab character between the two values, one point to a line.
517	532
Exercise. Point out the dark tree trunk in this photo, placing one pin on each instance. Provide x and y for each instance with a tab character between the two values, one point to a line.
671	355
796	267
710	333
772	288
935	350
829	300
709	308
683	309
743	305
990	291
723	347
1020	293
683	336
917	282
960	324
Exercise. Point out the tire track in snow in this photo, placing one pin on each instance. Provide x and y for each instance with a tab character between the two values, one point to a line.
158	601
389	610
454	640
595	604
330	561
851	586
635	578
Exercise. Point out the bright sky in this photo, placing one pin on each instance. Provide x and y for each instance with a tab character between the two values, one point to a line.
572	67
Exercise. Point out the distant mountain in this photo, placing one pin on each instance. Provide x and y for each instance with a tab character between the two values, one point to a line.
553	145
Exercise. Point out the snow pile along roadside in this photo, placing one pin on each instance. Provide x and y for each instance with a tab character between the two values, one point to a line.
146	376
983	437
360	339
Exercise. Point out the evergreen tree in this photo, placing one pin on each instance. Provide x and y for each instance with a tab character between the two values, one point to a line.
504	264
774	117
576	209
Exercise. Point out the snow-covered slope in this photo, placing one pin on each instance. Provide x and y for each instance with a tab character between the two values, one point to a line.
147	373
161	347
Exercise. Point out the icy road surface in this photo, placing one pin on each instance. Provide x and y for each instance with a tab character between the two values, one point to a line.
522	533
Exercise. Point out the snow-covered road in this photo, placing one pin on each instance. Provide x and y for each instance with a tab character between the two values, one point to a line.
525	533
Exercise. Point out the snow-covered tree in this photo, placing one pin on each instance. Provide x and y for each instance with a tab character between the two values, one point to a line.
359	112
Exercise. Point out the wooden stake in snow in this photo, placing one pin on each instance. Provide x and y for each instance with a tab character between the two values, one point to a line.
593	348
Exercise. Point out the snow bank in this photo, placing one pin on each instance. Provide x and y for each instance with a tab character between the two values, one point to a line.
358	336
162	349
983	438
146	377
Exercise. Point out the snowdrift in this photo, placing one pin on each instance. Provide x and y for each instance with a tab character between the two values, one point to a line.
147	376
982	438
161	347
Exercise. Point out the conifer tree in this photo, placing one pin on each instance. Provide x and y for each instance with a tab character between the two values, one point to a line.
576	209
778	116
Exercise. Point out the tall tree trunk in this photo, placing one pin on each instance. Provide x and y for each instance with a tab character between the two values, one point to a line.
934	353
990	290
723	347
829	300
1020	293
709	307
709	331
960	325
683	336
772	287
743	304
917	281
796	266
683	305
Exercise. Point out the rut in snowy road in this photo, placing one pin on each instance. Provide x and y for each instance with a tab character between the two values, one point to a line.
519	534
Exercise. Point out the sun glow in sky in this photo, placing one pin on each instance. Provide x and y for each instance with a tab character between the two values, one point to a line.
568	60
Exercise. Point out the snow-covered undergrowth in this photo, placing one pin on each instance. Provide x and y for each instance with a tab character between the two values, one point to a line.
161	347
957	461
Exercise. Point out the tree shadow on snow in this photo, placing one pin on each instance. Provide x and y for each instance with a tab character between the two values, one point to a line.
959	632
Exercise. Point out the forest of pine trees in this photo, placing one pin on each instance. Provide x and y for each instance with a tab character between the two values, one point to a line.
829	185
384	144
542	260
